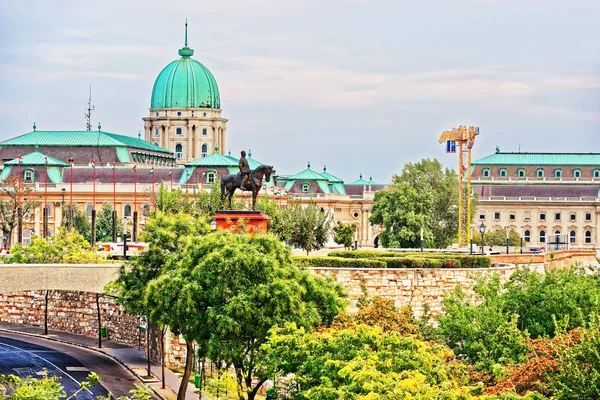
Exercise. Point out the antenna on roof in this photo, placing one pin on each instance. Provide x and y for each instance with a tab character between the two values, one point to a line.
88	112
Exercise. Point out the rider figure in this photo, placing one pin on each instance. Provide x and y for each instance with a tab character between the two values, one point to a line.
244	169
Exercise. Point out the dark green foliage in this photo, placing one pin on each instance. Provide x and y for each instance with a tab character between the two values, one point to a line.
336	262
497	238
417	259
343	233
104	225
81	222
571	296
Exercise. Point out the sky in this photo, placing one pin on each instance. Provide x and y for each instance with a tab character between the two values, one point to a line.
362	86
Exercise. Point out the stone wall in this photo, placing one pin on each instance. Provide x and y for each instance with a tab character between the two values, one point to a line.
73	312
550	260
409	287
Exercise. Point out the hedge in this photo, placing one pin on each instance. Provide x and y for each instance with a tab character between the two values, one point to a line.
336	262
447	260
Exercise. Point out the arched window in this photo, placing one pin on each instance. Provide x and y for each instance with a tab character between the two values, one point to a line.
558	173
572	237
521	172
588	237
26	237
155	131
88	210
485	172
178	151
556	236
49	208
211	175
305	187
596	173
127	210
576	173
28	176
527	236
542	236
539	172
204	150
503	173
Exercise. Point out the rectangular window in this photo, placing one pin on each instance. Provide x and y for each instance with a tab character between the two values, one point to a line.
155	131
573	217
496	215
481	216
178	131
512	217
542	216
588	216
557	217
204	131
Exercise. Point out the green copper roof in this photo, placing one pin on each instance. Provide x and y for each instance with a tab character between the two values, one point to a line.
185	83
337	185
361	181
81	139
36	159
307	175
580	159
214	160
371	181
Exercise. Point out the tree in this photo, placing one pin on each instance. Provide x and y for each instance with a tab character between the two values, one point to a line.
343	234
64	248
81	222
313	226
104	224
9	205
225	291
424	196
362	362
497	238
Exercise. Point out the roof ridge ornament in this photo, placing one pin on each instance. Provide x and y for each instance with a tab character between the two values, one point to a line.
216	148
37	147
324	168
361	175
34	127
99	127
308	165
185	51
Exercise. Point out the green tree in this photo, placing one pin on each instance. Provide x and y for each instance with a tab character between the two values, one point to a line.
343	234
313	226
225	291
362	363
81	222
104	227
424	196
497	238
9	200
64	248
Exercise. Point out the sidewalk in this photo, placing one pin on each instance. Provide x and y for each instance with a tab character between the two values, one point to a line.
130	357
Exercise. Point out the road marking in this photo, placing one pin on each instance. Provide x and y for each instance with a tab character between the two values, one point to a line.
77	369
49	362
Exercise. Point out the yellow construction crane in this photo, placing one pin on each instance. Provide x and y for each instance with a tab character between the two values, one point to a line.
460	140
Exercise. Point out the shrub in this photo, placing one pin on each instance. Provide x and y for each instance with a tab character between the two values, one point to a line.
391	257
336	262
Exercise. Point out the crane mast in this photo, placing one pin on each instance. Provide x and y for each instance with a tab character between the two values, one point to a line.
460	140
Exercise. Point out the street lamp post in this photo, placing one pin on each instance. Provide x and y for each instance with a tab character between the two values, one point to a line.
482	231
521	240
471	244
421	239
507	249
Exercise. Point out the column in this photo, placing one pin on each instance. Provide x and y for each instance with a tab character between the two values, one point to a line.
37	216
223	141
58	212
596	228
190	146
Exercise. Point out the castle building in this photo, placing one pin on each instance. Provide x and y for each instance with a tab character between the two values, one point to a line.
185	110
551	199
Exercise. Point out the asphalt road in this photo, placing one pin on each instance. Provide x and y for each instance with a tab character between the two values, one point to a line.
28	356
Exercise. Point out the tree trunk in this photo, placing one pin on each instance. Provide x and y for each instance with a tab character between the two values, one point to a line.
162	355
148	345
188	370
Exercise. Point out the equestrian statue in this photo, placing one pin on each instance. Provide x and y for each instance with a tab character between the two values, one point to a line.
245	180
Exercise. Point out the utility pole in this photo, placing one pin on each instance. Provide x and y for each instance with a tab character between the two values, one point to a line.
88	112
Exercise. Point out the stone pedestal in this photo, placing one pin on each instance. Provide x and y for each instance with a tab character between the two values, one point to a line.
255	221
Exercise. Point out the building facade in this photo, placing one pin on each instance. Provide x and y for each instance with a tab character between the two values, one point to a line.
550	199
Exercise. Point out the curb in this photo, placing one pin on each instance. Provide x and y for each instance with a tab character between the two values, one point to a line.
117	359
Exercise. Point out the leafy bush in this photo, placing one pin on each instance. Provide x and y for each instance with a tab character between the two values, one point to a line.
390	257
336	262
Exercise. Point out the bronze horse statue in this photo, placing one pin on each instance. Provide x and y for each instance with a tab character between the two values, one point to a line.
231	182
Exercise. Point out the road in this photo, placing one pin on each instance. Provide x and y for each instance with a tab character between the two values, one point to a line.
28	356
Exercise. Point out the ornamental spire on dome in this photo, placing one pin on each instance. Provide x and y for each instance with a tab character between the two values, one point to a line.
185	51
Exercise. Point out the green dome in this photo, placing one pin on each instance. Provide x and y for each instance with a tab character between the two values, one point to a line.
185	83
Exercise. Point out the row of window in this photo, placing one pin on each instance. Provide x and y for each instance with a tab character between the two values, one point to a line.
179	114
179	151
179	131
557	237
542	216
539	173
